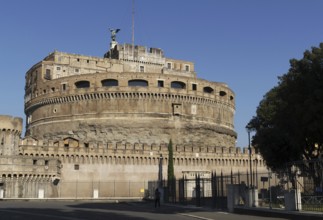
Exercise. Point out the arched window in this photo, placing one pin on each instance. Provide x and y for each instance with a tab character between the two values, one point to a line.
223	93
82	84
178	85
138	82
109	82
71	142
208	89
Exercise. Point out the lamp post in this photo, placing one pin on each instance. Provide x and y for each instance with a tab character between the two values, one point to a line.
248	128
269	177
253	193
256	177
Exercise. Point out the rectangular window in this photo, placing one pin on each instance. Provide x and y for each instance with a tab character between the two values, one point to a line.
63	86
142	69
193	109
76	70
169	65
187	68
47	74
58	68
177	109
160	83
46	162
34	162
76	166
194	87
29	119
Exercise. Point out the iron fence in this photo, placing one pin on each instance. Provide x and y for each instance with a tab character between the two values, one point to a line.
270	188
212	191
307	177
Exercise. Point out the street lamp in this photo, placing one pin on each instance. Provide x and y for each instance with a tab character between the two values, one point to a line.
257	160
248	128
253	198
269	177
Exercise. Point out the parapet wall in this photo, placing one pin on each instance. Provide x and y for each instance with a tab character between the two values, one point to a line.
79	152
9	123
72	144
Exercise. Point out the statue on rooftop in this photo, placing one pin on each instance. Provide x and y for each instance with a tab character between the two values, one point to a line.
114	33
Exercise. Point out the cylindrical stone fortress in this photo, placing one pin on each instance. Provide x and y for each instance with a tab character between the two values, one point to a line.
133	95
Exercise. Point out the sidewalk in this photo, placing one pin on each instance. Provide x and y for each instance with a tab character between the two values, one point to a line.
263	212
295	215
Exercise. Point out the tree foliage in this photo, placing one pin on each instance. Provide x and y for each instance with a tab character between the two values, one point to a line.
289	118
170	174
170	170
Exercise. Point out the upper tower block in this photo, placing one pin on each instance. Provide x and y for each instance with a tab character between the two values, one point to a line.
10	131
141	59
127	52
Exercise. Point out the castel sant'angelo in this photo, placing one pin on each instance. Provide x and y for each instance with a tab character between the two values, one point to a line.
102	119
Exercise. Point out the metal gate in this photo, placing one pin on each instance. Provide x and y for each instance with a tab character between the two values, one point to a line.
210	192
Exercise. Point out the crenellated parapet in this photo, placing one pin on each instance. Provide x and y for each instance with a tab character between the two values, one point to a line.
74	151
71	144
9	123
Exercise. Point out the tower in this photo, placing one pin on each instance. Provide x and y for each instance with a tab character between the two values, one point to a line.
10	131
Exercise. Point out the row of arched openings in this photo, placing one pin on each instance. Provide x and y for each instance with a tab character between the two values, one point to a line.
142	83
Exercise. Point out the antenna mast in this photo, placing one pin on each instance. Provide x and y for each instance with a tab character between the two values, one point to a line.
133	26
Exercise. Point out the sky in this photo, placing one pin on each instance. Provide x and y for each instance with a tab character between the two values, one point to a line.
246	44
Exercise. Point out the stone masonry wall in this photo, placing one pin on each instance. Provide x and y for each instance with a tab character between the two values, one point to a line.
125	161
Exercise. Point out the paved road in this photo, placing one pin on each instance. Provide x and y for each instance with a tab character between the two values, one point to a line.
63	210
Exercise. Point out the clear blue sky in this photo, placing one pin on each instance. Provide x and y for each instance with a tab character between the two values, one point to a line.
244	43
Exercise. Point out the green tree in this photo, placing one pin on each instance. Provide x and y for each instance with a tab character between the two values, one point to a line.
170	173
170	170
289	118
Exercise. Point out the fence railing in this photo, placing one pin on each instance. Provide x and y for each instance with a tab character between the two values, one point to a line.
305	178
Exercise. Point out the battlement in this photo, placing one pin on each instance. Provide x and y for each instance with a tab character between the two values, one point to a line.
73	146
186	158
9	123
